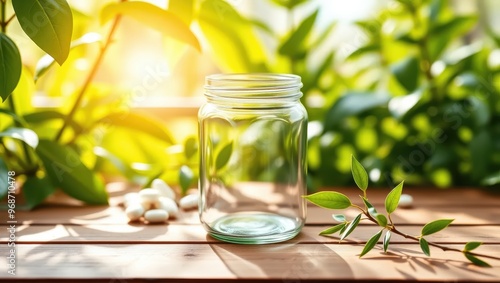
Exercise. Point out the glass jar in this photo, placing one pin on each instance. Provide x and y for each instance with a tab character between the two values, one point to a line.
253	142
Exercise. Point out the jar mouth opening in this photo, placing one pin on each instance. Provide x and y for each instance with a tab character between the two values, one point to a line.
253	85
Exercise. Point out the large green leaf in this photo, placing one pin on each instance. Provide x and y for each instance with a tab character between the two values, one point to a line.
36	190
66	171
154	17
224	155
294	46
10	66
331	200
407	72
22	134
137	122
353	103
49	23
46	62
231	38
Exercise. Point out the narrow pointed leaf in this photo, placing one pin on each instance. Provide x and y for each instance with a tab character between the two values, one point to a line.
371	209
339	217
424	246
387	239
435	226
154	17
359	174
371	243
66	171
476	260
36	190
333	229
392	199
472	246
330	200
224	156
354	223
10	73
49	23
294	45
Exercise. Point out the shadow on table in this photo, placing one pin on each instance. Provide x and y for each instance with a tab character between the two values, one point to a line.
288	261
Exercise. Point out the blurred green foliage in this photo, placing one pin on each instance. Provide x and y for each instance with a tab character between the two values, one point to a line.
416	98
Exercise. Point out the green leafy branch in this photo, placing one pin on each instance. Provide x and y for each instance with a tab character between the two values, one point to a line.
336	200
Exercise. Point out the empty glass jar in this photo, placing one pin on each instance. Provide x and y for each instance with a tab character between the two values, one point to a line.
253	141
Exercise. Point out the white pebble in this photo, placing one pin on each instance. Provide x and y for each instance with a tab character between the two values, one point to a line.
405	201
130	198
169	206
189	201
156	215
163	188
134	211
149	195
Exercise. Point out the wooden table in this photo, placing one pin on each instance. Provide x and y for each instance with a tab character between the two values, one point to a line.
62	242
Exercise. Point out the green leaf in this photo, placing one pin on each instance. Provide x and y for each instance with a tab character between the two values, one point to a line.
49	23
338	217
333	229
442	35
224	156
186	177
294	45
36	190
424	246
371	243
435	226
10	73
371	209
154	17
407	72
4	178
364	49
387	239
392	199
22	134
231	38
381	220
190	147
472	246
350	104
476	260
46	62
137	122
330	200
66	171
359	174
349	228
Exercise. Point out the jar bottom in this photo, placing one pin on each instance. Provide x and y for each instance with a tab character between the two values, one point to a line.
254	228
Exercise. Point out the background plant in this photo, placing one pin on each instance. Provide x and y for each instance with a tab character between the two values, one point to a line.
336	200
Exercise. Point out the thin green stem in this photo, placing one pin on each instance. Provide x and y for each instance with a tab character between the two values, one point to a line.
90	77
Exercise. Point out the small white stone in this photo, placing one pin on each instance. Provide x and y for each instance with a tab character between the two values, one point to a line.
130	198
189	202
405	201
149	195
156	215
134	211
169	206
163	188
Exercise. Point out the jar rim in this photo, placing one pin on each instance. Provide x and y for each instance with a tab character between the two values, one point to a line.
256	85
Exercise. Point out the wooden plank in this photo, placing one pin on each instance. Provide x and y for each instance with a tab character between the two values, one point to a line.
287	261
114	215
98	233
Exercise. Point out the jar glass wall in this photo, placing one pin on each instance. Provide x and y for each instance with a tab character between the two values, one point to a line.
253	141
